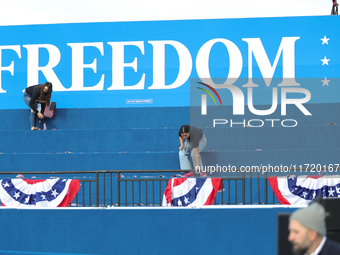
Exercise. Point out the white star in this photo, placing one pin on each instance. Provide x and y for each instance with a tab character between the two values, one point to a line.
314	194
27	200
179	203
64	180
324	40
325	82
43	197
16	195
325	61
305	194
54	193
331	192
6	185
291	176
337	190
186	200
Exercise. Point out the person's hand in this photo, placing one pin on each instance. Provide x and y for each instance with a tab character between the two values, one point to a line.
181	147
40	116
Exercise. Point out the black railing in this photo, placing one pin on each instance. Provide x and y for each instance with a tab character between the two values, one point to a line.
100	186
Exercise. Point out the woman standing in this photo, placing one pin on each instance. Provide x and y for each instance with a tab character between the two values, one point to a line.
36	97
191	138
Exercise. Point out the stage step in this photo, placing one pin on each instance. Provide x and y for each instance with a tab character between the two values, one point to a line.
22	162
101	118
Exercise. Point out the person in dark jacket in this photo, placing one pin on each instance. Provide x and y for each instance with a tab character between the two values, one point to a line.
36	97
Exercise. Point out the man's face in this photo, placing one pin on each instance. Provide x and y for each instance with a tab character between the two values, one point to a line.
299	237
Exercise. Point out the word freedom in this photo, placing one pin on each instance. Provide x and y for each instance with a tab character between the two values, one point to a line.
48	58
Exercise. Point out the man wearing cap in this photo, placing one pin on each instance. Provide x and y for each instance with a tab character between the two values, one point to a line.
307	232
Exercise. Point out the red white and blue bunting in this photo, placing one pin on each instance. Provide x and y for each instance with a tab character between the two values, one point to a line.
191	192
23	193
300	190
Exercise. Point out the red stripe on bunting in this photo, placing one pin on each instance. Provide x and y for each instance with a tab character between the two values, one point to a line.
72	192
217	186
29	181
274	184
178	181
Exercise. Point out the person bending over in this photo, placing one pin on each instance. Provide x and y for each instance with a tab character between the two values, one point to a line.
191	138
36	97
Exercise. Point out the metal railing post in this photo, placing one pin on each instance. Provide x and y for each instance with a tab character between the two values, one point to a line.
97	189
118	188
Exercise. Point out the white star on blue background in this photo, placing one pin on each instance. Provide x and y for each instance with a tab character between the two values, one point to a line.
325	82
325	61
324	40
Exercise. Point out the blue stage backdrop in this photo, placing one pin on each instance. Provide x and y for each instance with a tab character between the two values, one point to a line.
150	64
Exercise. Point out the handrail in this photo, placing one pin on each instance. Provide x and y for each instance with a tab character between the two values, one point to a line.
101	190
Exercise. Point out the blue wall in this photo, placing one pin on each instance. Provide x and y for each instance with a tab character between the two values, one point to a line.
104	130
140	231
